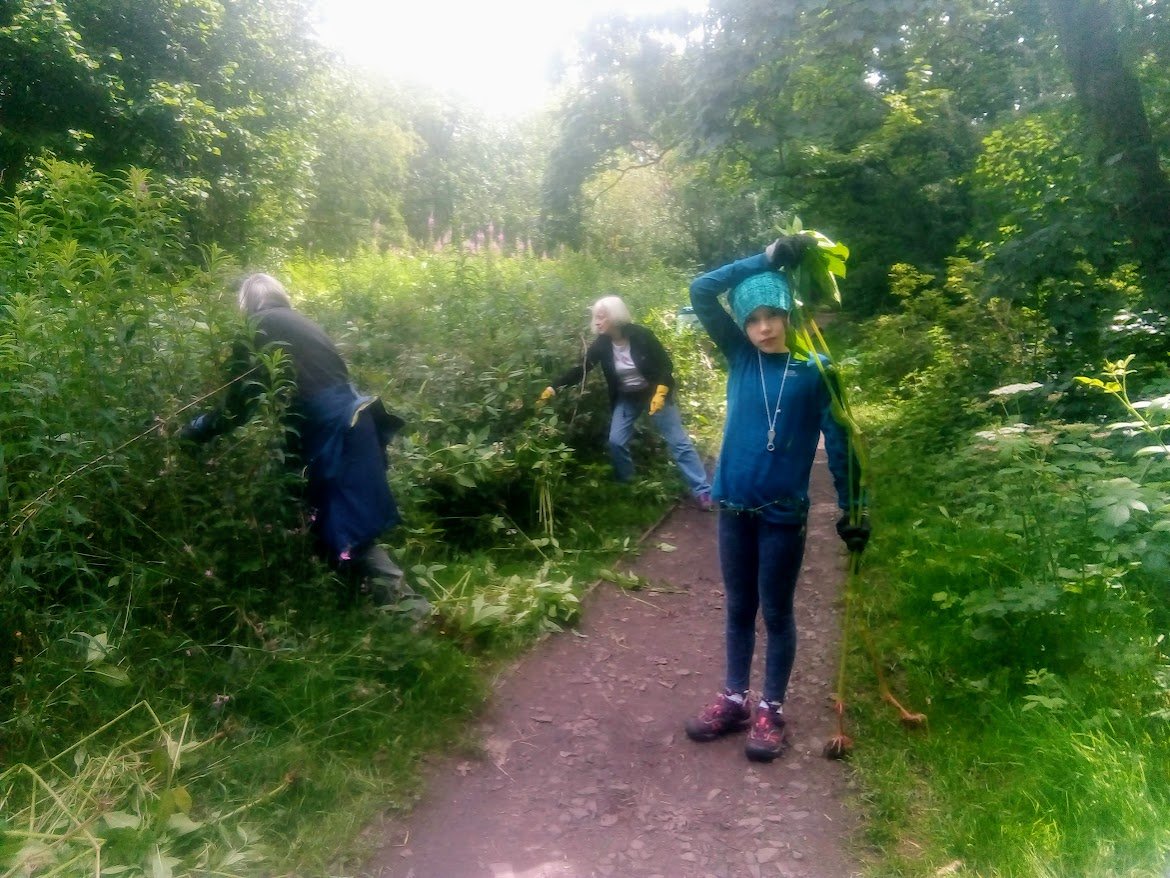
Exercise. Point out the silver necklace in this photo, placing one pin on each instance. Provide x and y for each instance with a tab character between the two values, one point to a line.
770	414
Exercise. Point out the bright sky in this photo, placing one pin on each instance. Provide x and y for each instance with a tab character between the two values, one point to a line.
495	53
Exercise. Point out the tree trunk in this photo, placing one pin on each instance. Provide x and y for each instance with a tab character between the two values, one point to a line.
1111	100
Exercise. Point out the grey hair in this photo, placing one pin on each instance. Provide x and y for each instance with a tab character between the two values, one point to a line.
615	308
260	291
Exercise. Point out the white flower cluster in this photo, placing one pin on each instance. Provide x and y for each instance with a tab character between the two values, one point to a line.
999	433
1015	389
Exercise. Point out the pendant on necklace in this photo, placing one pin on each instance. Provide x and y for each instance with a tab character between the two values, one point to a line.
771	440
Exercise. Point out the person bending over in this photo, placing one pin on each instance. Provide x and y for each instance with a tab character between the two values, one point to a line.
340	438
640	379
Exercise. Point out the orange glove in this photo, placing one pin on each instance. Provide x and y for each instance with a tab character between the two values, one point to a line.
545	395
659	399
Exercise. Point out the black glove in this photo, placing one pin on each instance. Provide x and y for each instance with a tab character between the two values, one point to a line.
198	430
787	250
855	536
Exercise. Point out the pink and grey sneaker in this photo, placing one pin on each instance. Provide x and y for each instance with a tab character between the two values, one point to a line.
768	736
728	713
704	502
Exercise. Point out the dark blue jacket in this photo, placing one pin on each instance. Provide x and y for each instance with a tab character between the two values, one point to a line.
345	456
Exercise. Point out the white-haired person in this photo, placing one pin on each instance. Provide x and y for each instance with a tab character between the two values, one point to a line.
341	440
640	379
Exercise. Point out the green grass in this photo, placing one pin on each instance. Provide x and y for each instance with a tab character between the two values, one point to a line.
1011	793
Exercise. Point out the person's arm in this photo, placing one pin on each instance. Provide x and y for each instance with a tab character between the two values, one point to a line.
577	374
843	462
706	290
238	403
655	366
659	369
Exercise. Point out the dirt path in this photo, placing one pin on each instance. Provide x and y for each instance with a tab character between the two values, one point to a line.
587	772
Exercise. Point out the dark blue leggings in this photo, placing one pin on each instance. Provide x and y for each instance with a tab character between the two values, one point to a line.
760	562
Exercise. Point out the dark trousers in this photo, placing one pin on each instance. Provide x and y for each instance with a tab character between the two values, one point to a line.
760	561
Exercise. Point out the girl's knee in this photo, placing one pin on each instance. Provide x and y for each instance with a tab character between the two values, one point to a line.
742	614
778	621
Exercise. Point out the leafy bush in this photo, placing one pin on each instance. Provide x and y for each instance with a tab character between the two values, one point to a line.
1017	586
1053	565
462	346
939	355
135	569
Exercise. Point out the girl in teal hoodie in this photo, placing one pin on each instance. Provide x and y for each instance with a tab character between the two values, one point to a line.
778	406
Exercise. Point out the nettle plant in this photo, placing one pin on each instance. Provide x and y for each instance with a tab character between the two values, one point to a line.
86	304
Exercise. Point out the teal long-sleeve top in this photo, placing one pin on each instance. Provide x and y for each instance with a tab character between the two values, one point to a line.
748	476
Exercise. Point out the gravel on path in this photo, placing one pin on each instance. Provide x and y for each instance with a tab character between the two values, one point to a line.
587	772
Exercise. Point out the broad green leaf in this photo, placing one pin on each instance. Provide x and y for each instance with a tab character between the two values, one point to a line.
111	674
161	865
173	800
121	820
182	824
1152	450
1117	515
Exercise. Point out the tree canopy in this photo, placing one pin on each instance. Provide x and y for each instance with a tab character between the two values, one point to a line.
1027	136
876	118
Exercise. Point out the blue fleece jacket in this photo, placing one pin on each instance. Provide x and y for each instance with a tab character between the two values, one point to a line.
748	476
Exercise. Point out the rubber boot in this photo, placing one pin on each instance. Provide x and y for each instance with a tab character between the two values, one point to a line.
387	584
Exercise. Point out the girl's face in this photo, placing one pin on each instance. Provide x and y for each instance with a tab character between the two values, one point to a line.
767	329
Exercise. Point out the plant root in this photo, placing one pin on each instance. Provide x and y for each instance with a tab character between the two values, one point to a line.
909	719
840	745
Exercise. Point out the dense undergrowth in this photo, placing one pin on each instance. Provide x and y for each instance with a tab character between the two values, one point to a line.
186	689
1016	590
263	709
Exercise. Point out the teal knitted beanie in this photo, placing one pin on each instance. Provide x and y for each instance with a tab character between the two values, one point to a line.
768	288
